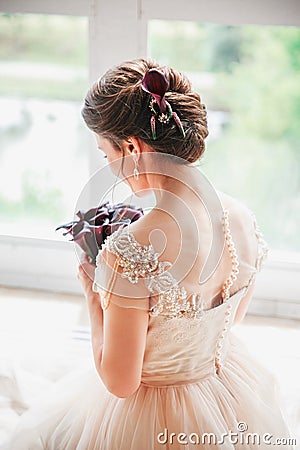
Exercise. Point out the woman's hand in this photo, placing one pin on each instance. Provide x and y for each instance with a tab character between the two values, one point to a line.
86	275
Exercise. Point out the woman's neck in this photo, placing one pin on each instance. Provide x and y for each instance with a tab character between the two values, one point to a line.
182	185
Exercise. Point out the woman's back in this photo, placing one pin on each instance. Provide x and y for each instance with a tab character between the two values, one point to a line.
187	244
163	255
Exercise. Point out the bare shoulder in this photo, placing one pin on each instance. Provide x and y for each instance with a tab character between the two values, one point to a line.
241	223
154	228
239	213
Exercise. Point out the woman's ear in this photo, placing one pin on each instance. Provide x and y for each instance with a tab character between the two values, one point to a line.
133	146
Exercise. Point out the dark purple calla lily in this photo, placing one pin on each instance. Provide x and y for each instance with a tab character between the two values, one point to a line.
94	225
85	238
156	84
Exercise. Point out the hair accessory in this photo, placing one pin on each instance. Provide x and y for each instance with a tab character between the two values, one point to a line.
156	84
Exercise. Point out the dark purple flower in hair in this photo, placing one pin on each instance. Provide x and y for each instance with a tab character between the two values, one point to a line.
156	84
94	225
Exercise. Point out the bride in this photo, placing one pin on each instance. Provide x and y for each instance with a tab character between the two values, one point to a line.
166	291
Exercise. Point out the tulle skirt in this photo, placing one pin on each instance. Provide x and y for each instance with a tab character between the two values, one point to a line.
237	409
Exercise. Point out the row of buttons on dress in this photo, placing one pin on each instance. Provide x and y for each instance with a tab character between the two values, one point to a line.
220	342
226	290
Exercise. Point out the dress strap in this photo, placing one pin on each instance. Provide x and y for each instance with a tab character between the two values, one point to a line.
233	255
262	253
140	265
122	268
106	294
139	261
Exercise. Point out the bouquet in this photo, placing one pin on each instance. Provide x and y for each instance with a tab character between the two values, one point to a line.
94	225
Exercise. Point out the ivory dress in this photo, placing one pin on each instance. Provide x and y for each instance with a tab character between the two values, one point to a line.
197	377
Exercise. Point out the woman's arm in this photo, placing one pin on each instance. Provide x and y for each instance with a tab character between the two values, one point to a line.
124	338
118	338
96	322
86	274
124	341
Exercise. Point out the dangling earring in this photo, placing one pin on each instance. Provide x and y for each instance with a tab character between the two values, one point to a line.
136	171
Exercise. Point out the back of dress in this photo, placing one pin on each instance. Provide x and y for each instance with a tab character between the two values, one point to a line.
199	384
188	322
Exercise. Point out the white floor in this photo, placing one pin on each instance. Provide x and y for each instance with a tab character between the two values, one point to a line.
47	334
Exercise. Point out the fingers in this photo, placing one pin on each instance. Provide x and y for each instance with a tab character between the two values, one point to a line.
82	269
86	270
80	272
84	258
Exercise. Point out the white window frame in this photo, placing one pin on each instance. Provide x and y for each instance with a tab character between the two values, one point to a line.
118	31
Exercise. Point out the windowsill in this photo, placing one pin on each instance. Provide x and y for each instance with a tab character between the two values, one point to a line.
283	258
52	266
275	257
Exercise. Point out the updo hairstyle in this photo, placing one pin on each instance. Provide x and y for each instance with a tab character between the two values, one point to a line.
116	107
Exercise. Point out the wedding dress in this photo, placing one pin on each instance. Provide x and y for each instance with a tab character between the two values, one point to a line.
200	387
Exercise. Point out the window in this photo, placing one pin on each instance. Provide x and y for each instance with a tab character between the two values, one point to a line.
44	153
248	76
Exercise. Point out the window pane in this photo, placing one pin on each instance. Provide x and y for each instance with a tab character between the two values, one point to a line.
43	148
248	77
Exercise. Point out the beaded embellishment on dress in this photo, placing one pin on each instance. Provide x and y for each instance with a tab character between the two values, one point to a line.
137	260
172	301
234	258
226	289
141	261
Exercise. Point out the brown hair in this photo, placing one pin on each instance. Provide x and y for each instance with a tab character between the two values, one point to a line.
116	107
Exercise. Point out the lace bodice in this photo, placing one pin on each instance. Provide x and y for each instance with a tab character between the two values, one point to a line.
178	320
142	262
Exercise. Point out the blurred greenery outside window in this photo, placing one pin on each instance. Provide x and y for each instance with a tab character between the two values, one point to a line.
248	78
43	148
